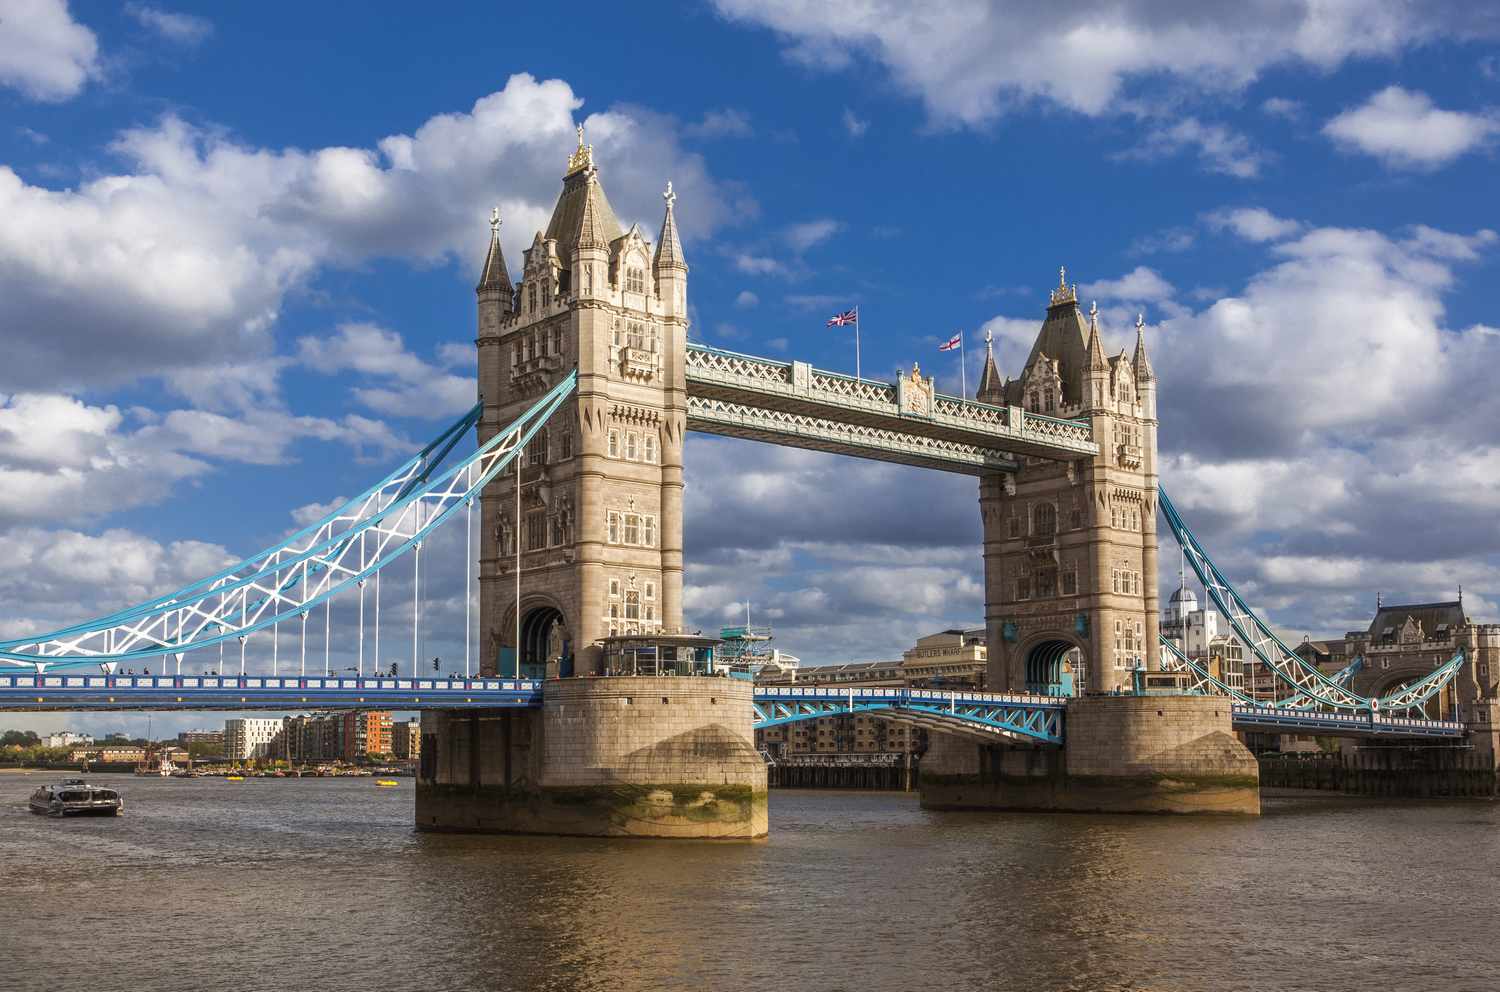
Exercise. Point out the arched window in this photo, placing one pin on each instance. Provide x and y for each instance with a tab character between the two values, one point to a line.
1044	520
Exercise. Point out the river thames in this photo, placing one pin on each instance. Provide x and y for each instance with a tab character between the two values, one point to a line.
323	884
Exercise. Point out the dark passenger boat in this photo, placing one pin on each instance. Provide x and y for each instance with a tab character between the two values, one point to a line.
75	797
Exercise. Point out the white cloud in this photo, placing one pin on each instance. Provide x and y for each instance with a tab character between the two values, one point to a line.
812	233
727	123
1140	285
746	300
406	385
184	258
1252	223
1280	106
757	265
1219	148
184	29
44	53
855	125
1405	130
973	60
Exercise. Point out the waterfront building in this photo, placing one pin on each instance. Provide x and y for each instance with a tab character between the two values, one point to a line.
406	739
1407	641
249	737
67	738
366	732
1197	633
953	658
211	737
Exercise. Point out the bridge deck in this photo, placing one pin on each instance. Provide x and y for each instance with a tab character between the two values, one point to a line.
258	692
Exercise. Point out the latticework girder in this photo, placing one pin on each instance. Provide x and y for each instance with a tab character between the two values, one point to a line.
286	580
1025	718
1309	686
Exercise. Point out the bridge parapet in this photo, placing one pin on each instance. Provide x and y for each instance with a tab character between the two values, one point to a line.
763	387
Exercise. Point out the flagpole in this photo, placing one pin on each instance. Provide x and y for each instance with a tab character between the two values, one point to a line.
856	341
963	365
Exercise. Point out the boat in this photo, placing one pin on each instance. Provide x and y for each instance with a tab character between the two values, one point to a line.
234	778
387	783
75	797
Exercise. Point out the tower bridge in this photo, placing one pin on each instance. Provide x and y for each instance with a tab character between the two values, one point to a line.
572	508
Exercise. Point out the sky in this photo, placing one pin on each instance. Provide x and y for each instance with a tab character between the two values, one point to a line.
238	245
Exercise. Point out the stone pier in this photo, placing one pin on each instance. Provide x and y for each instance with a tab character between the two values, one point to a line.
1124	754
604	757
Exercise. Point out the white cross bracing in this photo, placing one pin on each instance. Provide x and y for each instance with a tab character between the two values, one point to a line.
285	581
1310	686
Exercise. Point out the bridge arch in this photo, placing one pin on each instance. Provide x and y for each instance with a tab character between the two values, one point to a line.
547	645
1053	664
1385	682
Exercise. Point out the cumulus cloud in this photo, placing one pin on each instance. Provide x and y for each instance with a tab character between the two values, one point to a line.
1280	106
1252	223
854	125
44	53
810	234
972	61
727	123
1140	285
184	258
746	300
406	385
1219	148
183	29
1406	130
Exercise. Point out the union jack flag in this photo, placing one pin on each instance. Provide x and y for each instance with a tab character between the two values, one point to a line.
951	344
840	319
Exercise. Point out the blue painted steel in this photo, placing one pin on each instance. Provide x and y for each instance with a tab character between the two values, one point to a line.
1281	719
1038	718
249	692
200	591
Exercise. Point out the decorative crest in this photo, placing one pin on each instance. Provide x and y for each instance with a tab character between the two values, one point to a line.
1094	313
989	336
669	196
1063	294
494	220
1140	321
583	158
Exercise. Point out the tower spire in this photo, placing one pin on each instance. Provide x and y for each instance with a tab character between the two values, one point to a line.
991	386
494	275
1097	361
1143	370
668	247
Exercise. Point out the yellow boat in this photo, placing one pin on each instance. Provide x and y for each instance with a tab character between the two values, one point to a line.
387	783
234	778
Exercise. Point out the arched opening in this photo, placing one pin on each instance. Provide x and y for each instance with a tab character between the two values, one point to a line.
1440	707
1054	668
546	647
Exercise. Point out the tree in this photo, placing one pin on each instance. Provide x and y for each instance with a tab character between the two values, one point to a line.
19	738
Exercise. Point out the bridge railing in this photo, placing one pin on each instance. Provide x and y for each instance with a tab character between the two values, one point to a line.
126	684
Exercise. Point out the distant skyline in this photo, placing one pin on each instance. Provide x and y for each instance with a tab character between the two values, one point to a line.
238	247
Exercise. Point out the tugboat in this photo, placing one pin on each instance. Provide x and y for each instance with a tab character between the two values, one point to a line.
75	797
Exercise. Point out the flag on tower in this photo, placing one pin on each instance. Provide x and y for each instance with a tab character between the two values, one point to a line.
847	317
953	343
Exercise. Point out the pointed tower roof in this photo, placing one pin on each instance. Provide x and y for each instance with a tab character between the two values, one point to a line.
582	216
494	275
1143	370
1064	336
668	247
991	384
1096	349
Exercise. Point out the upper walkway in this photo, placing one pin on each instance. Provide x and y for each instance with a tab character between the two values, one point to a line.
792	403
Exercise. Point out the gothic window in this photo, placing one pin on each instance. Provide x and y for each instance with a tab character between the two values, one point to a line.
1044	520
536	530
537	454
1049	401
565	443
614	444
632	605
614	588
557	529
1035	406
650	613
635	281
1046	583
614	527
632	446
515	358
650	448
648	531
616	333
546	292
1023	587
1070	583
557	340
1013	527
531	295
632	528
650	590
1075	519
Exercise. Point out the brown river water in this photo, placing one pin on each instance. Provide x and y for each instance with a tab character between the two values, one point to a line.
322	884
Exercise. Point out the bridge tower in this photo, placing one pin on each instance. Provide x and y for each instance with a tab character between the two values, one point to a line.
1070	547
582	549
600	517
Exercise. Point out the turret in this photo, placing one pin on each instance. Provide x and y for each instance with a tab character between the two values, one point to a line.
1096	369
1145	375
668	266
991	383
495	292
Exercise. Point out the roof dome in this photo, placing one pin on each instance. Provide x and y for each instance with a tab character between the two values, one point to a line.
1184	595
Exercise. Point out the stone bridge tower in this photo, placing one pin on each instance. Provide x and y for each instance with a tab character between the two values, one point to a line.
1070	547
600	521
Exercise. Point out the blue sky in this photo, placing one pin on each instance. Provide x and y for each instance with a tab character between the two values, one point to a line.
238	245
